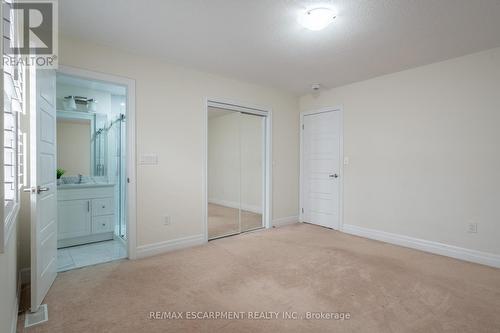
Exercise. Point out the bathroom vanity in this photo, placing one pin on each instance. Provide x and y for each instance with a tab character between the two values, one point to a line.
85	212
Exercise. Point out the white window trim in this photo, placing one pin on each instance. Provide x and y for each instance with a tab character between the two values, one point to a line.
9	222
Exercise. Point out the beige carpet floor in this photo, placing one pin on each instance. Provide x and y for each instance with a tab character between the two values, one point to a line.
223	221
300	268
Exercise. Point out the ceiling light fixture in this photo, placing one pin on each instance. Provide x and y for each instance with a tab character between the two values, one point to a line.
317	18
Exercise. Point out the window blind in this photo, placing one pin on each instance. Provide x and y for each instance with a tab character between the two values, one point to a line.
13	77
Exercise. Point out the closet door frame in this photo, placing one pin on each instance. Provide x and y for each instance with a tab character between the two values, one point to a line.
250	109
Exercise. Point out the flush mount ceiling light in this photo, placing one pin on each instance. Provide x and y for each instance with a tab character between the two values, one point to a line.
317	18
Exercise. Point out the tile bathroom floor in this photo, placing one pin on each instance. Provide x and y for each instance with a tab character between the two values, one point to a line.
89	254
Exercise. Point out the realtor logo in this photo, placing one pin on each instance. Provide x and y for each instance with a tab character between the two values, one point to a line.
33	34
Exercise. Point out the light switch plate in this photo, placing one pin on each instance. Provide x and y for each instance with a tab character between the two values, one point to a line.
149	159
472	228
167	220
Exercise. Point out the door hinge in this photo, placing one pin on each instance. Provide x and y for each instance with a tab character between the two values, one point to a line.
302	126
302	210
128	180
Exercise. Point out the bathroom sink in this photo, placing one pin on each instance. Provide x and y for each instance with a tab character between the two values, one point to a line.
80	182
70	180
83	185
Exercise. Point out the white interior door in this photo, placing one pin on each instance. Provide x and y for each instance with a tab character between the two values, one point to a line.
43	187
321	150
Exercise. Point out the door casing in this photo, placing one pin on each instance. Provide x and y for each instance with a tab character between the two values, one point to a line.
129	84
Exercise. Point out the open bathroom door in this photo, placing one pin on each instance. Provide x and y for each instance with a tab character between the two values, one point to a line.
43	185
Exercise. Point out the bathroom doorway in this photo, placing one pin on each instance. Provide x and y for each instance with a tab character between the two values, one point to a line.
238	172
93	169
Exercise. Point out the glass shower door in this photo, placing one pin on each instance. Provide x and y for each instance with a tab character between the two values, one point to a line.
122	167
117	176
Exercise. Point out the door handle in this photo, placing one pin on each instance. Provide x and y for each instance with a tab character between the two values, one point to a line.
334	175
38	189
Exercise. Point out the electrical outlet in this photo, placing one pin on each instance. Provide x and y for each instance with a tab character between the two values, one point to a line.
472	228
167	220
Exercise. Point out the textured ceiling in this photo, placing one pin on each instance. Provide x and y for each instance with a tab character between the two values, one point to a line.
260	40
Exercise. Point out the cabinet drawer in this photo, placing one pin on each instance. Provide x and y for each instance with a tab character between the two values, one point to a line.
103	224
105	206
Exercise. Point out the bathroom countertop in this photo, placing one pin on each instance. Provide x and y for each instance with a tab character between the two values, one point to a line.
83	185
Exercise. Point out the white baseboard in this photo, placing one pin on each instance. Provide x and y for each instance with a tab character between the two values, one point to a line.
280	222
144	251
232	204
452	251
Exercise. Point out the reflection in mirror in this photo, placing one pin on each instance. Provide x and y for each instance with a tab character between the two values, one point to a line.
73	146
236	156
223	173
252	132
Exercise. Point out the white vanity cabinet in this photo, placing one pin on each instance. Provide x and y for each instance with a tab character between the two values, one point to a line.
73	218
85	213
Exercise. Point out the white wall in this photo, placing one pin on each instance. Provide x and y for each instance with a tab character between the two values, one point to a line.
423	150
235	160
73	147
170	107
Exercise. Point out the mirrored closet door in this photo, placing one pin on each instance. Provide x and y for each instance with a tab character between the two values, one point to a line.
236	172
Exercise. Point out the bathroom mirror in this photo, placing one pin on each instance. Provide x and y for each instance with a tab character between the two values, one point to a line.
82	143
74	151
